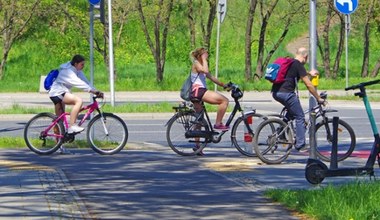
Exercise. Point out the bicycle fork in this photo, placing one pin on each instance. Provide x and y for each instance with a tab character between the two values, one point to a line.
103	120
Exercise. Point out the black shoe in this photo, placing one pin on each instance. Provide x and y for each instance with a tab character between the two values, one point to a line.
303	148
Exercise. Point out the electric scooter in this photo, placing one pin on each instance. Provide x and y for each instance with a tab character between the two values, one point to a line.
316	170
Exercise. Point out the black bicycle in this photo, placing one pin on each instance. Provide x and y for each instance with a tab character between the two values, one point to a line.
188	132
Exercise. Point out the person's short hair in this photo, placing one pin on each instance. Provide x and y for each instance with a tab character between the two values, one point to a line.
77	59
303	52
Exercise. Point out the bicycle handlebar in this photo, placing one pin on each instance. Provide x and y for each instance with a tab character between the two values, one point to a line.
363	84
229	86
236	93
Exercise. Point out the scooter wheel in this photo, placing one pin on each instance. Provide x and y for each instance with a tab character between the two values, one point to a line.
315	173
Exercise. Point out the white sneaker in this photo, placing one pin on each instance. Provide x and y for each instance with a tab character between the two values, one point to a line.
75	129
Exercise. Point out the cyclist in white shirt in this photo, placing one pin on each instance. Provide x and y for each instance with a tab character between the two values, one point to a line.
71	75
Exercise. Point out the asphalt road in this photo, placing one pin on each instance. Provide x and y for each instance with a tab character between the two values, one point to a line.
149	181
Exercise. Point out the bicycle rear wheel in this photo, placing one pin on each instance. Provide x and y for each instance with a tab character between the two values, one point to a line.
242	137
346	140
273	141
182	124
39	139
108	134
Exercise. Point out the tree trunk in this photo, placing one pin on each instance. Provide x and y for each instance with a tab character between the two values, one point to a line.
263	60
248	40
158	48
207	31
276	45
325	48
260	50
191	20
340	47
369	14
15	21
375	71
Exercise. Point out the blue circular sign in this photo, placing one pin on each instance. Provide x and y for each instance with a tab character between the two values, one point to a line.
94	2
346	6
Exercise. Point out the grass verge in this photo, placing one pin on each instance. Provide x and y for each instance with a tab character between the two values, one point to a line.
352	201
19	143
125	108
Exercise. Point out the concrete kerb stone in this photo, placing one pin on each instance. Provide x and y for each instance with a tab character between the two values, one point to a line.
62	201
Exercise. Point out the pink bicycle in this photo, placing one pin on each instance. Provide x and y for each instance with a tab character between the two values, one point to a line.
106	133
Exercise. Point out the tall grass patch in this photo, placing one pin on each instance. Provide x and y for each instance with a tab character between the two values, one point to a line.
355	200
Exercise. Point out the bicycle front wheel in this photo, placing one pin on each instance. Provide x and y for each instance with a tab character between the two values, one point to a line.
39	138
107	134
324	139
273	141
242	133
183	134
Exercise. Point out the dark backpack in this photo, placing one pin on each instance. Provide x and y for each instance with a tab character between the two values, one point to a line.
50	78
276	71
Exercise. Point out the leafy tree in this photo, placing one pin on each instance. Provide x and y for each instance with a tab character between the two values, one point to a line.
248	39
368	16
15	17
156	40
267	9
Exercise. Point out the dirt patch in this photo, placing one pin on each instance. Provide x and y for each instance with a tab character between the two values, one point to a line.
232	165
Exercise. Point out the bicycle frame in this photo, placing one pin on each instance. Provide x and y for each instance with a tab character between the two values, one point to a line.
90	109
218	135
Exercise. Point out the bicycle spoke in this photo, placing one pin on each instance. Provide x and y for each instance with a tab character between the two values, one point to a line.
38	138
107	135
183	134
272	142
346	140
242	137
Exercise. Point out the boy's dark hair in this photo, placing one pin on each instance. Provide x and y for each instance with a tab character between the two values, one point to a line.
77	59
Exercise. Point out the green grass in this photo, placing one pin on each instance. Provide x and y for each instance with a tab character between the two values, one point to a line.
352	201
12	142
125	108
19	143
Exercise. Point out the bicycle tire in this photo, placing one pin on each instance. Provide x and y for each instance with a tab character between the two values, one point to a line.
111	142
269	145
346	140
241	138
36	140
177	127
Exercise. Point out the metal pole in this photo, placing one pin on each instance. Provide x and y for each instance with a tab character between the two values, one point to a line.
217	47
110	47
313	47
313	143
91	47
346	42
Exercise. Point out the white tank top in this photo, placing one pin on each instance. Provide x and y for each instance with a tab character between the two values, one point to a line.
198	79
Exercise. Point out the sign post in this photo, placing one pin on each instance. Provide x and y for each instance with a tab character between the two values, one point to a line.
94	2
221	10
312	65
346	7
99	5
